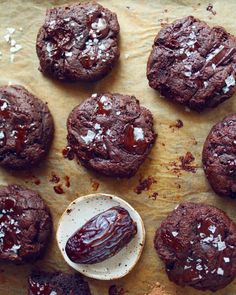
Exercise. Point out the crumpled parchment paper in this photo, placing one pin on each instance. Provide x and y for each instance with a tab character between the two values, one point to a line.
170	184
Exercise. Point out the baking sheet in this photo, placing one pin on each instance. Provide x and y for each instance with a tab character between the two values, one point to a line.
140	21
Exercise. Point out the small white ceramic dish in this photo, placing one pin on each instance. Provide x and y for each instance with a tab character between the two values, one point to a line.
83	209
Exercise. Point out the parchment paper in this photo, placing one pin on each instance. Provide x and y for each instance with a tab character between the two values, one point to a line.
140	21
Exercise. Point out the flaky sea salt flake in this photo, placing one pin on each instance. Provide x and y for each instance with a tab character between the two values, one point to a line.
11	30
15	48
89	137
138	134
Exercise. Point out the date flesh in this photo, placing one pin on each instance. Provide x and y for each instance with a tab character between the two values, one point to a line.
101	237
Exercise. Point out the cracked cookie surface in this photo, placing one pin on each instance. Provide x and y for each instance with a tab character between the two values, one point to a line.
26	128
57	283
25	225
197	243
111	134
78	42
219	157
193	64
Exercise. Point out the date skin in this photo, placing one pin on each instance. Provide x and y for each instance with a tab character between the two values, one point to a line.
101	237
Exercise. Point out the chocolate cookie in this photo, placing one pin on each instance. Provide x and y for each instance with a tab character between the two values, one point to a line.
78	42
26	128
57	283
219	157
193	64
197	243
111	134
25	224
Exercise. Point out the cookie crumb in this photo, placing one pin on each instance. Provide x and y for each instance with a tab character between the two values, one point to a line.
144	184
210	8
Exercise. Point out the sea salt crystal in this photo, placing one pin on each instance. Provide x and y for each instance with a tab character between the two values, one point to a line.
188	53
13	42
80	37
216	242
97	126
68	53
118	113
106	102
53	293
2	135
174	233
13	133
226	259
213	66
188	67
49	47
192	35
15	248
7	37
11	30
199	267
230	81
191	43
103	99
52	23
102	47
138	134
221	245
205	84
99	25
3	106
214	53
94	95
67	19
89	137
212	228
15	48
188	74
220	271
208	239
181	51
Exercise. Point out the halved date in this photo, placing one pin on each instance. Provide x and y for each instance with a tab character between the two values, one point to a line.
101	237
